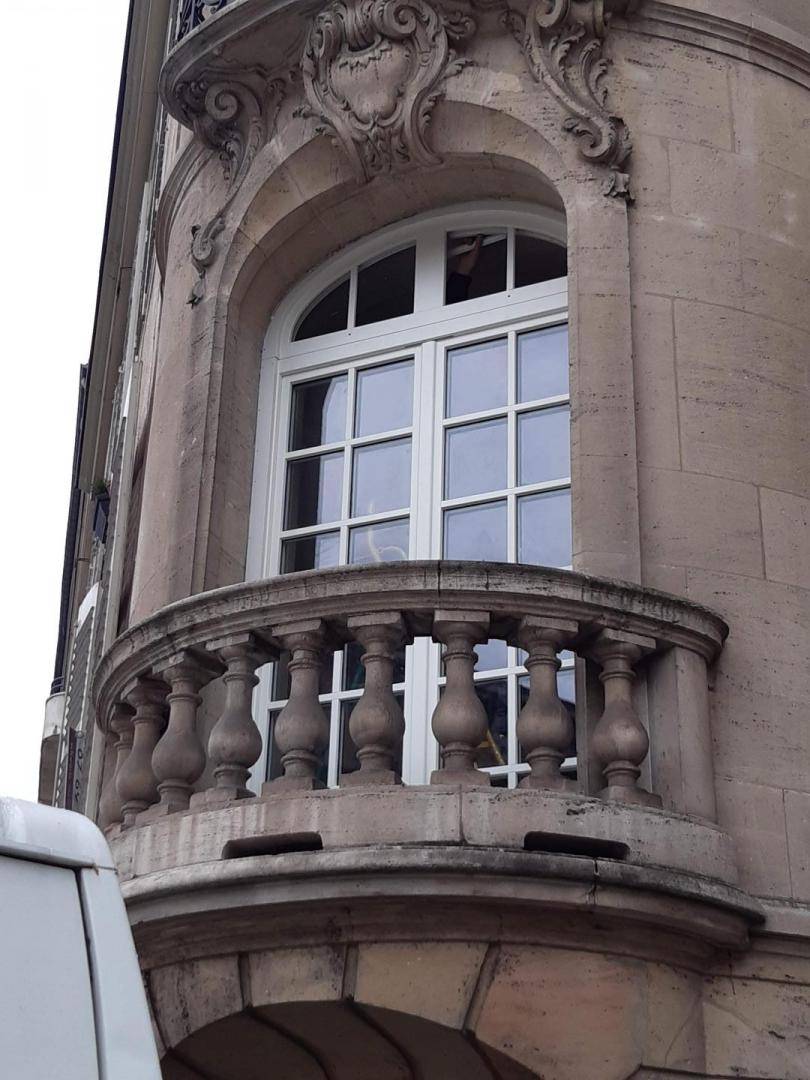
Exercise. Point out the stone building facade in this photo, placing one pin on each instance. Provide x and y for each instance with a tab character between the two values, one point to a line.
435	326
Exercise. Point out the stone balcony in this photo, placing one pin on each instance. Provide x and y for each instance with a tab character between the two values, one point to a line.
637	823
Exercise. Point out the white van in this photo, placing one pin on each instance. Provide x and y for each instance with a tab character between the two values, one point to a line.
72	1003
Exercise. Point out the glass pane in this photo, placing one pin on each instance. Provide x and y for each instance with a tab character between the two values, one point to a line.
310	552
314	487
384	398
538	260
385	288
382	477
565	689
281	677
326	315
475	459
273	766
491	655
476	532
318	413
476	266
354	674
386	541
544	529
349	762
544	445
273	762
476	377
495	748
543	363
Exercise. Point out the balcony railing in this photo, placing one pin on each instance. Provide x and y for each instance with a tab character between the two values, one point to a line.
194	13
148	685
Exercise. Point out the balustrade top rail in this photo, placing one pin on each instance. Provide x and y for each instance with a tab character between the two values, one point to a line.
509	592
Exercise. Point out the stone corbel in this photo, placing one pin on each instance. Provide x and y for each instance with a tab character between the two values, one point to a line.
233	113
563	41
373	71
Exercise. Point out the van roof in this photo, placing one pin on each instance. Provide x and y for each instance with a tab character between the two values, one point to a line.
44	834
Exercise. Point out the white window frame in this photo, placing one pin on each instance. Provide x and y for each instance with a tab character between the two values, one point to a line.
425	335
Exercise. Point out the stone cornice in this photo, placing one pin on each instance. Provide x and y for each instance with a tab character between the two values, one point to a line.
725	36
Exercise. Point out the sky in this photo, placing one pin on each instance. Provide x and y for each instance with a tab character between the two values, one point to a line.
59	82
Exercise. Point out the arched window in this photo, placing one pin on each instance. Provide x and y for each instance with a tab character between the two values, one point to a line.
414	403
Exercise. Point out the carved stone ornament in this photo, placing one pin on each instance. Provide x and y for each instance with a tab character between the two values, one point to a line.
373	71
232	112
563	42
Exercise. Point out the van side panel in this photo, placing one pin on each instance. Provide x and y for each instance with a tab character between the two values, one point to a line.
125	1040
47	1026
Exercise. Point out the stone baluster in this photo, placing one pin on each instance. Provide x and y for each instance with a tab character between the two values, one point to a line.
544	727
110	806
620	741
302	729
377	724
179	757
137	784
235	742
460	721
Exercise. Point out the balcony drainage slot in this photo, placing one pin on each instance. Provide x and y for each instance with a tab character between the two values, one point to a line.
564	844
282	844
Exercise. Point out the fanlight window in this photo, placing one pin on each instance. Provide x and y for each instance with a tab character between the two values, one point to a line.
476	264
420	408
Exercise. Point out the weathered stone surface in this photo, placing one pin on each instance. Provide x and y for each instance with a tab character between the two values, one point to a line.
189	996
756	815
433	981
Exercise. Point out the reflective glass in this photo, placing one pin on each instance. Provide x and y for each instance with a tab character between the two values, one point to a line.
327	315
386	541
382	477
384	398
310	552
476	532
476	266
494	750
281	677
354	674
544	529
475	458
385	288
349	761
543	363
538	260
476	377
318	413
544	445
491	654
565	690
273	768
314	488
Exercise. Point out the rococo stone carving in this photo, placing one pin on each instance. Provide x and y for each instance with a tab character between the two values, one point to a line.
373	71
231	112
563	42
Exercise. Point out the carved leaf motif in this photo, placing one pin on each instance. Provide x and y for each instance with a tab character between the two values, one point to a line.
232	113
563	43
373	71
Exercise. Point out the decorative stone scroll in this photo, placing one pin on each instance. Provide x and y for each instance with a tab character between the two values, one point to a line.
232	112
373	71
563	42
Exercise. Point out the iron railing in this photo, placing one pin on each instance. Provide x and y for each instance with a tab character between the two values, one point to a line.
195	12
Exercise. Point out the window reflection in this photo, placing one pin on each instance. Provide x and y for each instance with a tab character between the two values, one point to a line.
318	413
314	488
476	266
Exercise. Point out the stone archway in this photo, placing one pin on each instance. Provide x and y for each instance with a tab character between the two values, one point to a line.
335	1040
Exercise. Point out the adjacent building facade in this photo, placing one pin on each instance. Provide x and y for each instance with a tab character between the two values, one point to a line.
435	647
